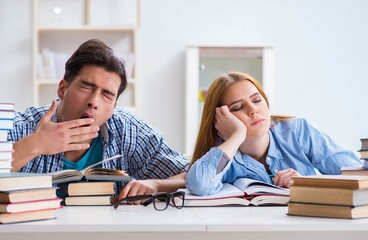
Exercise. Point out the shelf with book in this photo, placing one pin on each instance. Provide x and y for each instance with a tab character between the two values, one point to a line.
61	26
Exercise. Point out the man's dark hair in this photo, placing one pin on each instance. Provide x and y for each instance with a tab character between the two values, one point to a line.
95	52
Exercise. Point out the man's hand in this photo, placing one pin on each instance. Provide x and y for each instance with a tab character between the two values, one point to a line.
138	187
284	178
54	138
151	186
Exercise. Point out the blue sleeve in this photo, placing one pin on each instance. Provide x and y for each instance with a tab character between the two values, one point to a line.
324	153
203	177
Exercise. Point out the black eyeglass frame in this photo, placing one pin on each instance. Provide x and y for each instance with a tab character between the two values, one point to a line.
162	196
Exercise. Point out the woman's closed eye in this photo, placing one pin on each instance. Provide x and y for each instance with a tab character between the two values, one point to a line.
236	107
257	100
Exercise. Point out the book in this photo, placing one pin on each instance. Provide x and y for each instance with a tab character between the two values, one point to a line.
354	171
324	210
6	146
86	188
363	153
332	181
5	163
242	192
27	195
7	106
6	155
7	114
18	180
364	142
335	196
87	200
6	124
91	173
27	216
30	206
3	135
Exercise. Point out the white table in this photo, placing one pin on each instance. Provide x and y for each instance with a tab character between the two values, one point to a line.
138	222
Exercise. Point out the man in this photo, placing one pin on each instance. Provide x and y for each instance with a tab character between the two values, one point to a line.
83	127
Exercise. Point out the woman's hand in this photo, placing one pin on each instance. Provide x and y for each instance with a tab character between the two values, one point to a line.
227	124
284	178
230	129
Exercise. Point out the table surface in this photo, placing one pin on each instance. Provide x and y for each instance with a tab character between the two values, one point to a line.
141	222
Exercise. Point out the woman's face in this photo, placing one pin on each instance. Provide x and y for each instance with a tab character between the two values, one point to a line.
247	104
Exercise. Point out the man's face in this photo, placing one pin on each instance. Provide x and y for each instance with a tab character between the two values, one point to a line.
92	94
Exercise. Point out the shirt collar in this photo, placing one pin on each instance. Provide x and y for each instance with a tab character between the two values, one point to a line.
273	150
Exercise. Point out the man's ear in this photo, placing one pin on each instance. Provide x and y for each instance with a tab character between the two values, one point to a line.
63	85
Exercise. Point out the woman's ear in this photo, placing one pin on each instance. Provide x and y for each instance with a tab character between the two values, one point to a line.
63	85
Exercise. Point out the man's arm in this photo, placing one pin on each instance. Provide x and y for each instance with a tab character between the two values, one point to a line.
150	186
50	138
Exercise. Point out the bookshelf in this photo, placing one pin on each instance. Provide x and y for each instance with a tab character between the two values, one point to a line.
205	63
60	26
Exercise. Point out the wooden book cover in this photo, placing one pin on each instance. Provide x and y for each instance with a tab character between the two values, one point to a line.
17	181
332	181
329	211
333	196
27	195
27	216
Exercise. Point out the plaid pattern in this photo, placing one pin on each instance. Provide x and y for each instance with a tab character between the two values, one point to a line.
145	152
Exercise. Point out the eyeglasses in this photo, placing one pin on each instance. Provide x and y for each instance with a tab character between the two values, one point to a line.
160	200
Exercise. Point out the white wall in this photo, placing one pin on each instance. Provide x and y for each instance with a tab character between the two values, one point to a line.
321	68
16	52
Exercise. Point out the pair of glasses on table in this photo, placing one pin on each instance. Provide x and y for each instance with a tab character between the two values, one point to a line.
160	200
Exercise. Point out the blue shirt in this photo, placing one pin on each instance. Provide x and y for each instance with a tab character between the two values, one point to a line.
293	144
145	152
92	156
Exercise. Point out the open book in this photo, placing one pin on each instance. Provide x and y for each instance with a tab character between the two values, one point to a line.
91	173
242	192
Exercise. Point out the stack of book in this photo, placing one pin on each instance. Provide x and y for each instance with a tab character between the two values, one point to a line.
364	152
6	124
364	157
334	196
90	186
86	193
27	197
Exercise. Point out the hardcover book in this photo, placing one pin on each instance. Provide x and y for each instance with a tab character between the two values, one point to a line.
6	124
242	192
324	210
7	114
354	171
27	216
30	206
27	195
335	196
332	181
87	200
91	173
18	180
86	188
7	106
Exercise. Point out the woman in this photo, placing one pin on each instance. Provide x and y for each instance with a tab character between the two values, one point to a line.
239	138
